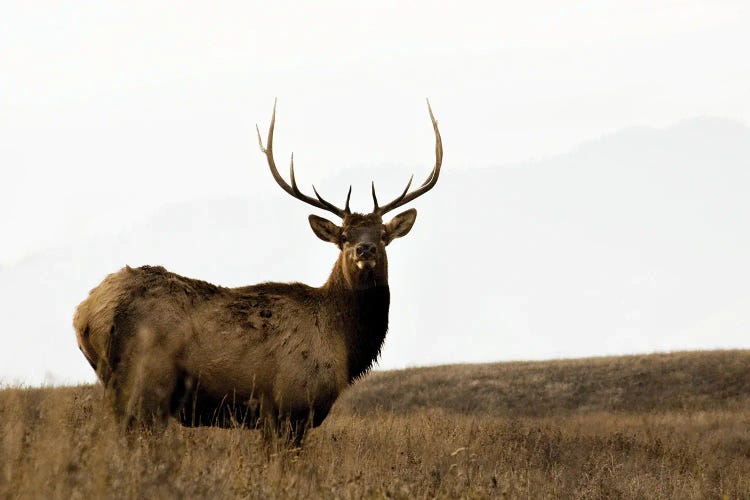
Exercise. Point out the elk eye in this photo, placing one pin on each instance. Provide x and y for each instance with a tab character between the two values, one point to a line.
343	238
383	236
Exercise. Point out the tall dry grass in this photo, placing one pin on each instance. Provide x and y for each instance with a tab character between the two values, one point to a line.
64	443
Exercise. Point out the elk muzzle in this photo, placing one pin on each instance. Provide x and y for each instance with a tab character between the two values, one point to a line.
367	254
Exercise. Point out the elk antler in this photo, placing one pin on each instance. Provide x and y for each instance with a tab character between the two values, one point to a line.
406	197
293	189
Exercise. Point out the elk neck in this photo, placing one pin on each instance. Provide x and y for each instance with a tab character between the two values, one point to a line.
360	303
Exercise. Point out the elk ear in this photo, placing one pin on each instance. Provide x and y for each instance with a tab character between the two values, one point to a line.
401	224
325	229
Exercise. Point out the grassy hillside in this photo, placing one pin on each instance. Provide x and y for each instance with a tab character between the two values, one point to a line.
703	380
665	426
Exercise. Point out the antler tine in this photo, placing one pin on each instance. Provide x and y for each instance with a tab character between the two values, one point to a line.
291	174
428	184
293	189
329	206
348	196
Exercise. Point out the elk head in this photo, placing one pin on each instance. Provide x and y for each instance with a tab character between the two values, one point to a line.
362	238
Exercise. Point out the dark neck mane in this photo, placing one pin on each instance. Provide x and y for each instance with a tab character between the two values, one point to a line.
363	319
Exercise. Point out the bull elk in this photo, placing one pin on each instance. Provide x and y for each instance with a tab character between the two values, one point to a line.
272	355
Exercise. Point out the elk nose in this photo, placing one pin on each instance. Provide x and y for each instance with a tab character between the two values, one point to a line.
366	251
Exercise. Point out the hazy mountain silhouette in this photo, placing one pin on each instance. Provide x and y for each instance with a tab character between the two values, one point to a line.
634	242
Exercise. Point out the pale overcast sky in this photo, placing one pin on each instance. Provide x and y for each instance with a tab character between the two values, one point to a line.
158	100
111	110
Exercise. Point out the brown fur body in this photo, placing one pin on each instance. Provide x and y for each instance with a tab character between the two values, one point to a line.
163	344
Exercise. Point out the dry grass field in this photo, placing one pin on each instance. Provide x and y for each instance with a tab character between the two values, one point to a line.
657	426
